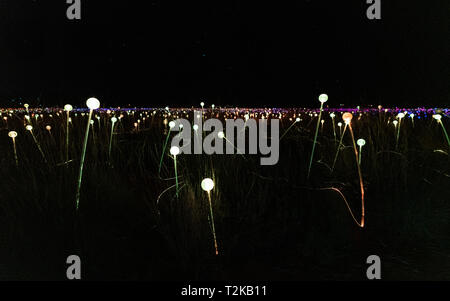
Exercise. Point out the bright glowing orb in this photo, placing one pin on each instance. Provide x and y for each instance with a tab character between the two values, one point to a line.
361	142
221	135
401	115
437	117
29	127
174	150
347	117
172	124
93	103
323	98
12	134
68	108
207	184
114	120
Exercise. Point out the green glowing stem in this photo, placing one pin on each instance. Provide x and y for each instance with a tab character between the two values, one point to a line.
176	174
67	137
315	139
398	133
212	223
38	146
164	150
83	155
110	141
445	133
334	130
288	130
339	147
359	158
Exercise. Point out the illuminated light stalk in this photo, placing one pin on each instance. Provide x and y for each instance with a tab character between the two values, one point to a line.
296	120
30	129
13	136
400	116
322	98
332	115
67	108
438	118
207	185
361	184
361	143
175	151
339	147
113	121
171	126
92	104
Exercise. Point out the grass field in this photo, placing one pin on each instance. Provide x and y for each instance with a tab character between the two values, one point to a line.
272	222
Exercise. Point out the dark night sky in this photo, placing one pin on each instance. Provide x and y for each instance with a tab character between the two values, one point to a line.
178	53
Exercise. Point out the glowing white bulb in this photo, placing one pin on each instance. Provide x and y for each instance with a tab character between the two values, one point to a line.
12	134
172	124
48	128
395	122
221	135
29	127
93	103
114	120
68	108
174	150
26	106
181	126
195	127
298	119
411	115
332	115
323	98
202	104
361	142
437	117
339	124
92	122
401	115
207	184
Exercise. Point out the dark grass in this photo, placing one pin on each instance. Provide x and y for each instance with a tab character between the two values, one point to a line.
271	222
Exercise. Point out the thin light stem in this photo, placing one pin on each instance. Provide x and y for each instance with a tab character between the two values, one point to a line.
212	223
445	133
15	152
164	150
67	136
315	139
361	184
176	174
83	155
339	148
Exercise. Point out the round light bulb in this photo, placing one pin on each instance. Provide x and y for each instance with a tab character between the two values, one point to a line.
29	127
401	115
93	103
207	184
12	134
361	142
323	98
114	120
172	124
297	119
339	124
48	128
202	104
332	115
221	135
174	150
68	108
437	117
195	127
347	117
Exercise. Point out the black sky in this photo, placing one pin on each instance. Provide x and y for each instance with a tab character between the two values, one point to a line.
177	53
